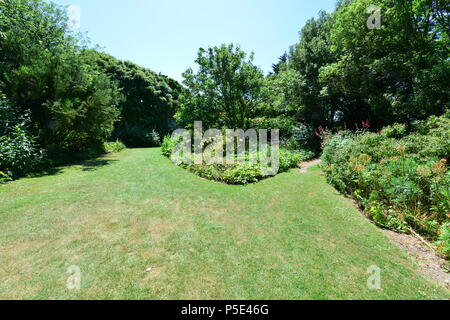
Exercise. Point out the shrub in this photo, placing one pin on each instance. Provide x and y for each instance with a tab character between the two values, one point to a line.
154	138
168	145
137	136
113	147
444	240
304	138
19	152
290	159
395	131
401	181
243	173
239	173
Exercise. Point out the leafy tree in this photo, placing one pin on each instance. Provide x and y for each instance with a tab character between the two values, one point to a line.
280	65
306	59
150	99
73	107
224	92
394	74
19	153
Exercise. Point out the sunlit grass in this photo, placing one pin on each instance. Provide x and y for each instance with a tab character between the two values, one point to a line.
288	237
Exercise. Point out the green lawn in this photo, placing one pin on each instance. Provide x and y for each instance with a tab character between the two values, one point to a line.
288	237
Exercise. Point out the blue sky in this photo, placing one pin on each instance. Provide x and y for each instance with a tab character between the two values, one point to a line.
165	35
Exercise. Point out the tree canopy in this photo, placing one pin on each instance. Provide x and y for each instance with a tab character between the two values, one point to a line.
397	73
73	106
150	99
224	92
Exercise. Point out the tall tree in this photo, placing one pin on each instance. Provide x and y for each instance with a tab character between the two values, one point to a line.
395	73
150	99
73	107
224	92
306	59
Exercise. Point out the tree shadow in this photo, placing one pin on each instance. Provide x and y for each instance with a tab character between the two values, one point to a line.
92	165
86	165
46	172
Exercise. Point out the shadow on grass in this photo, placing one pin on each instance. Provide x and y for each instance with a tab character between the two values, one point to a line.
92	165
87	165
46	172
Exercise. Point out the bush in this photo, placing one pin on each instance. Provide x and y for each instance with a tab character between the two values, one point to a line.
168	145
395	131
113	147
304	138
401	181
136	136
240	172
19	152
73	107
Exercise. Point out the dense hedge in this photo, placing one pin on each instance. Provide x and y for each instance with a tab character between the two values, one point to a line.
150	100
399	176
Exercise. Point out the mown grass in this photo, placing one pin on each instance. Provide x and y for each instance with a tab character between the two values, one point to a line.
288	237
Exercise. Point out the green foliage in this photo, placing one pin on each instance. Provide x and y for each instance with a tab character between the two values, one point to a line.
244	172
401	182
113	147
289	159
395	131
137	136
224	92
73	106
150	100
312	100
444	240
342	73
383	74
168	145
239	174
19	153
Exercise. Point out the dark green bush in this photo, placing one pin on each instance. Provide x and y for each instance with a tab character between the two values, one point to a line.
73	107
150	100
137	136
19	152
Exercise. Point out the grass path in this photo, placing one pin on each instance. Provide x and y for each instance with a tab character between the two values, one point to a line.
288	237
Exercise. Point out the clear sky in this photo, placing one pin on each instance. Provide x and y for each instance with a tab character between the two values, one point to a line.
165	35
